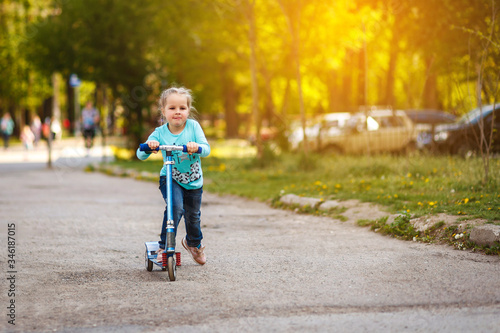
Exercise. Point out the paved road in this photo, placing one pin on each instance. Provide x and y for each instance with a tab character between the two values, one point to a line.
79	267
66	154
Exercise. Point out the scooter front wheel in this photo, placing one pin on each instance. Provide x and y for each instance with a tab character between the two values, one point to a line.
171	268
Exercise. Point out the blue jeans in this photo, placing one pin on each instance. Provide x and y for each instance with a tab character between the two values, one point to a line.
185	203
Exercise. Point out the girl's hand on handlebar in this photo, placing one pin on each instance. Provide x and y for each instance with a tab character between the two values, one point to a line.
153	145
192	147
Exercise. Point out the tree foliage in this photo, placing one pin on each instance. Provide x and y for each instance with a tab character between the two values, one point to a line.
408	54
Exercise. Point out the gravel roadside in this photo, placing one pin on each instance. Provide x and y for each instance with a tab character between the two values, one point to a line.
79	261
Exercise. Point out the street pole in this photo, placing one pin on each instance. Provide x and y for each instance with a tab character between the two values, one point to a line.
77	110
54	113
49	143
75	82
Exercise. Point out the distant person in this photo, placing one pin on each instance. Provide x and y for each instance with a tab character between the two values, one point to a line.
66	124
7	127
187	184
27	137
56	129
51	128
46	129
36	128
90	121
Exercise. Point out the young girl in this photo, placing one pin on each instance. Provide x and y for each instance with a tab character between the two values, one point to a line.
187	187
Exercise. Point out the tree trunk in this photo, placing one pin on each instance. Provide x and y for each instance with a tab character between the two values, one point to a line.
252	40
430	96
391	68
70	104
361	78
277	119
295	30
230	98
332	90
347	85
56	109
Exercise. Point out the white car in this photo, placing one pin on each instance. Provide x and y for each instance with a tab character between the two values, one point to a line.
330	123
374	131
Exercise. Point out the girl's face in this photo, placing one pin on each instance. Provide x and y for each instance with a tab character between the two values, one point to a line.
176	112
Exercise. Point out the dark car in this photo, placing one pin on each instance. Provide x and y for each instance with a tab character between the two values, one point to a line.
463	137
425	123
430	117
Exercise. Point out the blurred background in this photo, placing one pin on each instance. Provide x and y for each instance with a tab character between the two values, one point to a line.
260	70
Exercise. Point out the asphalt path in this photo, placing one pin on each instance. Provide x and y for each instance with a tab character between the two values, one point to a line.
79	266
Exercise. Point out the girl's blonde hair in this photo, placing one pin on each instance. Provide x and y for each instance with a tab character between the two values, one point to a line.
162	103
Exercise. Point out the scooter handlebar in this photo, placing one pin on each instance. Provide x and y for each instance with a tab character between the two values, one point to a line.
144	147
198	152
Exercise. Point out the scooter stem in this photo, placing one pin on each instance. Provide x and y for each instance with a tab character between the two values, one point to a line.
170	246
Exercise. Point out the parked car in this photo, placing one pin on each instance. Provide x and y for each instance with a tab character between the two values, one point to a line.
374	131
331	123
425	122
430	116
463	136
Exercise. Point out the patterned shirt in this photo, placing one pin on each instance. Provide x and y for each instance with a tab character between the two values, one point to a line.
187	170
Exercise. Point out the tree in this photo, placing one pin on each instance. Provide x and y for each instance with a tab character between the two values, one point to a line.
22	89
104	41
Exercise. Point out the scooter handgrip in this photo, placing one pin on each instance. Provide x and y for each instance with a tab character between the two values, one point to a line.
145	147
185	149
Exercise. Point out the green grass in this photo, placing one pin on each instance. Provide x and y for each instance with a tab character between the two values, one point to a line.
416	185
453	235
400	228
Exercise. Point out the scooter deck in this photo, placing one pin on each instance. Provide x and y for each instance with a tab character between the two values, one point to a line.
152	249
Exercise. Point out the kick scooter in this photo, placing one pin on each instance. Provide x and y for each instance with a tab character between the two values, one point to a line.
170	259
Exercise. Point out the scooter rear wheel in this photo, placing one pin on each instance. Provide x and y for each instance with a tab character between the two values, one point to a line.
171	268
149	263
